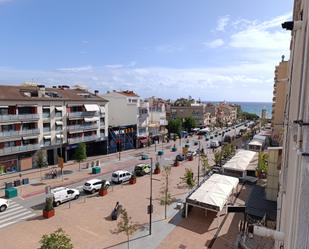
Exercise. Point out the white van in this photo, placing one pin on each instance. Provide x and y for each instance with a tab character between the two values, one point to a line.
63	194
121	176
214	144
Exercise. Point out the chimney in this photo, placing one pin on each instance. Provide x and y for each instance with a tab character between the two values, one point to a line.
96	92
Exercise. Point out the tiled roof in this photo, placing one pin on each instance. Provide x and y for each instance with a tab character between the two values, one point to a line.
128	93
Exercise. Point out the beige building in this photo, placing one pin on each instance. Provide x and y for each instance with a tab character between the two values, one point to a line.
53	120
293	198
279	99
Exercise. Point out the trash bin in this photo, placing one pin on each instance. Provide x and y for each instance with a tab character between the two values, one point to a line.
10	192
8	185
174	149
160	152
96	170
17	183
25	181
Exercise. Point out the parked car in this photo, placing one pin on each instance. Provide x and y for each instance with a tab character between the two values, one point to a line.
192	152
121	176
94	185
211	137
180	157
142	169
4	204
214	144
63	194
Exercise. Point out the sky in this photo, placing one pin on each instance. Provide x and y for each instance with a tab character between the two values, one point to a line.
212	50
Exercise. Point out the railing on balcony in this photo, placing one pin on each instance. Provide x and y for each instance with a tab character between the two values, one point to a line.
46	115
46	129
16	149
82	139
82	127
82	114
19	133
58	114
19	117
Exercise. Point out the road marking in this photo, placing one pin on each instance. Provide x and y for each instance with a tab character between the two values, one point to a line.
15	221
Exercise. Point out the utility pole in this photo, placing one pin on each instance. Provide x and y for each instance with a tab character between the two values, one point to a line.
150	208
198	164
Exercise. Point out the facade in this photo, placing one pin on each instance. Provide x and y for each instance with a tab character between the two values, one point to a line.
123	113
279	98
226	114
53	120
197	111
293	197
143	124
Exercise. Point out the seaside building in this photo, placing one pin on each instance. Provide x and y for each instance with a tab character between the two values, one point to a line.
54	120
279	100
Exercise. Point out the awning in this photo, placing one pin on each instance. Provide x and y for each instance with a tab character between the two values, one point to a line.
240	161
46	107
59	136
59	123
256	143
47	137
93	119
30	137
92	108
4	106
59	108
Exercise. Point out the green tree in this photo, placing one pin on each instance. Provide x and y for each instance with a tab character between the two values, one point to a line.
125	225
189	123
56	240
188	179
174	126
205	163
41	161
262	163
166	197
217	157
80	153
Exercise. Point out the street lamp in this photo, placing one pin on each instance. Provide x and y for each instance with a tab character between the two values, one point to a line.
198	164
150	207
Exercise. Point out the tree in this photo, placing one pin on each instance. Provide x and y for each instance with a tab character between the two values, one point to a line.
262	163
217	157
125	225
189	123
174	126
56	240
41	161
166	198
188	178
205	163
249	116
80	153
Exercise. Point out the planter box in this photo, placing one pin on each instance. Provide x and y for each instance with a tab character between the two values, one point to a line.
160	152
10	193
190	158
174	149
145	157
176	164
96	170
48	214
157	171
102	192
132	181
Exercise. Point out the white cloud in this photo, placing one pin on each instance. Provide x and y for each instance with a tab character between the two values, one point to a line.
215	43
222	23
169	48
76	69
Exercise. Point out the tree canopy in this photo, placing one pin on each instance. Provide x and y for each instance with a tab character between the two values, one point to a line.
174	126
56	240
189	123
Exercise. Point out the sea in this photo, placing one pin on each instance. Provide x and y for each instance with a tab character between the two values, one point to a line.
254	107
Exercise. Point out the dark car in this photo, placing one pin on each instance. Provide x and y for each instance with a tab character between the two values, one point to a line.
180	157
211	137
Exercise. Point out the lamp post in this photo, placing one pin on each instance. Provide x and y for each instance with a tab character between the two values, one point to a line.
198	164
150	207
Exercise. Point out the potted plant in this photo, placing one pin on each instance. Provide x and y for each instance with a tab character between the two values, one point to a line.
132	179
176	163
48	210
157	169
103	189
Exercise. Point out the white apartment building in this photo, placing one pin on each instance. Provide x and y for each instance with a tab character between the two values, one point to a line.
53	120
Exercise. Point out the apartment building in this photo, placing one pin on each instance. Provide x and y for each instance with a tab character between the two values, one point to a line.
123	113
53	120
293	197
226	113
143	124
279	98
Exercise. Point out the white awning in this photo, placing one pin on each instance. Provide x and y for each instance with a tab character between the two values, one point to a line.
256	143
91	108
46	107
30	137
214	192
93	119
59	123
59	136
59	108
47	137
4	106
240	161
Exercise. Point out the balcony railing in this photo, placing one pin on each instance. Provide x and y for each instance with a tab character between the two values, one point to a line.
19	133
76	140
46	129
82	114
17	149
82	127
46	115
19	117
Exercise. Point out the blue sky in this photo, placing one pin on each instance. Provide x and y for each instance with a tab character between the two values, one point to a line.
213	50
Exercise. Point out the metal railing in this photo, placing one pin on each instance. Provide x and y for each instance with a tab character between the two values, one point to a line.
19	133
82	139
46	115
82	127
18	117
82	114
46	129
16	149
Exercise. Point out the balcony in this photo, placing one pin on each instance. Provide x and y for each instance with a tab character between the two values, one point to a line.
19	149
82	127
76	140
46	115
13	133
82	114
18	117
46	129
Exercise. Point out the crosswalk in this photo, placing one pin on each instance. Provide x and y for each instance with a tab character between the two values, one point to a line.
14	213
